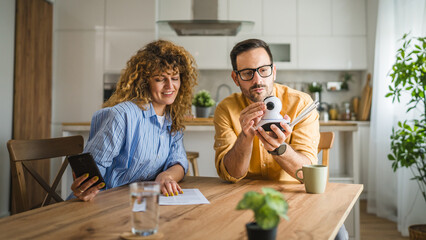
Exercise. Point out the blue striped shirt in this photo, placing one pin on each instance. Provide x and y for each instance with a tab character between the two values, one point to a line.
129	145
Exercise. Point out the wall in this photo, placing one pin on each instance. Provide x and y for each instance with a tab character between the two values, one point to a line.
7	41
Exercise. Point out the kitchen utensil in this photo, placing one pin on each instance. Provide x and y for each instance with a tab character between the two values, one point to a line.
364	107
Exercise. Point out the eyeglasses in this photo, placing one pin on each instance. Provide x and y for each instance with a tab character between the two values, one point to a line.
248	73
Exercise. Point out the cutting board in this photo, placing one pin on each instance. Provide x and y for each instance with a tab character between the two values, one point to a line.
365	105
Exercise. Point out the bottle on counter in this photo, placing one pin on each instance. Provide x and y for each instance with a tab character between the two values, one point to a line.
333	112
346	112
323	108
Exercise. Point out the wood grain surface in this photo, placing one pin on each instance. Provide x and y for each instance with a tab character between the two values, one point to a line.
33	83
312	216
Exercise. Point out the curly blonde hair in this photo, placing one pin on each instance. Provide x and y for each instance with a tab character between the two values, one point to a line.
158	57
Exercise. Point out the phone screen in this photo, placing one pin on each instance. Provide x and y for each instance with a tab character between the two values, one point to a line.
84	163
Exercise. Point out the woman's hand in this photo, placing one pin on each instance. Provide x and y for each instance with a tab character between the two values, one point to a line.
168	186
86	191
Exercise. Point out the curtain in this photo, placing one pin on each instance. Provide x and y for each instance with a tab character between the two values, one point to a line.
392	195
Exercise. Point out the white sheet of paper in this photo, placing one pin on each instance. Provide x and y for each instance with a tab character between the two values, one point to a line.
189	197
139	207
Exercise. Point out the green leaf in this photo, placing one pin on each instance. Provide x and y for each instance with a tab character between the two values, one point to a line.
252	200
278	204
266	217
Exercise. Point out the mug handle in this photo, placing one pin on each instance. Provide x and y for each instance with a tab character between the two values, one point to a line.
300	179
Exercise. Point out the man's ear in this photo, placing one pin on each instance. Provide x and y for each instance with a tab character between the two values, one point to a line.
274	71
235	78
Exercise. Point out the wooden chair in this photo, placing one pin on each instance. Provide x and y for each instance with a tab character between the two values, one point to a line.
325	144
23	152
192	158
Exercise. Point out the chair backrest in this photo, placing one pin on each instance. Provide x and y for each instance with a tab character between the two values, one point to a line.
22	152
325	144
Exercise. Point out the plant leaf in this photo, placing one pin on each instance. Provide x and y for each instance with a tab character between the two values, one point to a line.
252	200
266	217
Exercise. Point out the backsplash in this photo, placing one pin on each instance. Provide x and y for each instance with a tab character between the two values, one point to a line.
211	79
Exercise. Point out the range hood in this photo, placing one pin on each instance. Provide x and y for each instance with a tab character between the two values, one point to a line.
205	22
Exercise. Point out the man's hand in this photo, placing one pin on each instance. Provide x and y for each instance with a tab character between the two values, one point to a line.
272	140
250	117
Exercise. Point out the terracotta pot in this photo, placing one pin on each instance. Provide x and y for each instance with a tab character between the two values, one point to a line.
254	232
417	232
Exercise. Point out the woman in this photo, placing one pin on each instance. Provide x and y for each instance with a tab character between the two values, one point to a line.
138	134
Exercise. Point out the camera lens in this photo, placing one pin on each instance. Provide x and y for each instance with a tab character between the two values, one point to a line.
270	105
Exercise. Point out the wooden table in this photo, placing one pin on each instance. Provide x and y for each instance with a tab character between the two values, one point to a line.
312	216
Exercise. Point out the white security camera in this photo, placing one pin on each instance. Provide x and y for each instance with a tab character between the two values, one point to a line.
272	114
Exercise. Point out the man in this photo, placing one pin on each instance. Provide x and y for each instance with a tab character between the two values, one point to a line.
244	150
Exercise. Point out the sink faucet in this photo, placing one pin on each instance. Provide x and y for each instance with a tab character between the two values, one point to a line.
218	91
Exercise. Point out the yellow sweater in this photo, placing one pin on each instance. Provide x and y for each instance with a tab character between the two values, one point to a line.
304	138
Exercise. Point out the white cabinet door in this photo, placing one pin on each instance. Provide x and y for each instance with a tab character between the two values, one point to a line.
130	15
247	10
279	18
209	52
314	17
77	75
79	14
349	17
332	53
121	45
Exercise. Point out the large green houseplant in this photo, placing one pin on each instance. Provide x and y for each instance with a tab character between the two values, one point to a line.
408	139
268	207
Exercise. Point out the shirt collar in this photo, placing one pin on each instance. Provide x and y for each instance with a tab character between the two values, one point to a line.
150	112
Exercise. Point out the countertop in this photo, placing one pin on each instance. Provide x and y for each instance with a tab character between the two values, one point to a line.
209	122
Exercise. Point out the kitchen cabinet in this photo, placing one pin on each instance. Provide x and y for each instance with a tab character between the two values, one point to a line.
130	15
332	35
314	17
279	18
78	54
77	75
78	14
247	10
209	52
349	18
332	53
121	45
129	25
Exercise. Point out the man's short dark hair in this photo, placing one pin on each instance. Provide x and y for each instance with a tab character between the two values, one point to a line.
247	45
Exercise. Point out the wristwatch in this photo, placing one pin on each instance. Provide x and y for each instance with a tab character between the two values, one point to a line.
279	150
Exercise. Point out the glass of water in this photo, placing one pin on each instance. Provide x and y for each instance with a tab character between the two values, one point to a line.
144	197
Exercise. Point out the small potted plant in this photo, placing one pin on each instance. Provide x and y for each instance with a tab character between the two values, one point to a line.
316	89
202	102
347	77
268	207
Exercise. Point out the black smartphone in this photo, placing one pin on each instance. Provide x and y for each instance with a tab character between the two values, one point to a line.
84	163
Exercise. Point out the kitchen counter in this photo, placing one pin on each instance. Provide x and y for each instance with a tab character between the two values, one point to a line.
85	126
